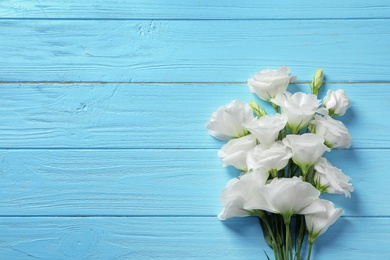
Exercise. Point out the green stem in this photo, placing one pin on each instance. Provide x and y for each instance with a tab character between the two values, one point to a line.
304	175
274	173
288	248
276	107
287	241
331	113
301	233
289	171
310	175
310	247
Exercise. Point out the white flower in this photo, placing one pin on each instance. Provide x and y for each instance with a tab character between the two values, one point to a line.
334	131
306	149
298	107
336	102
273	158
236	150
266	84
286	196
238	191
331	179
226	122
318	223
266	128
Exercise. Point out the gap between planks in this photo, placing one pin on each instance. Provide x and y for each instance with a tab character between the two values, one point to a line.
177	83
155	216
146	149
357	18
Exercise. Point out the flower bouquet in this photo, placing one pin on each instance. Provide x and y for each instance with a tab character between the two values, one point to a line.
280	157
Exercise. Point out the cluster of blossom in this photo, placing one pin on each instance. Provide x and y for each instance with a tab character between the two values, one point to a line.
280	156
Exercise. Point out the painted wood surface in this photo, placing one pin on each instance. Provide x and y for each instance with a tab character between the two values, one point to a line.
155	115
103	150
176	238
191	50
150	182
194	10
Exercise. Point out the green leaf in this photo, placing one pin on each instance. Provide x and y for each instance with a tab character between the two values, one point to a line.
267	236
266	255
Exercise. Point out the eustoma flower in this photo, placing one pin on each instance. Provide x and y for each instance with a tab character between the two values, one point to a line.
266	128
286	196
317	223
238	191
307	149
269	158
298	107
227	122
336	102
335	133
266	84
331	179
236	150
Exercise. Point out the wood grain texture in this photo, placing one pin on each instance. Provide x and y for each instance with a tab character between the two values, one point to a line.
176	238
191	51
156	182
154	115
195	10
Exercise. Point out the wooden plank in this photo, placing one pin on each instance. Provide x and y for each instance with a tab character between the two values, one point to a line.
153	115
177	238
191	51
203	9
156	182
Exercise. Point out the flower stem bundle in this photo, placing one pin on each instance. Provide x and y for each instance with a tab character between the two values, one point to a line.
281	160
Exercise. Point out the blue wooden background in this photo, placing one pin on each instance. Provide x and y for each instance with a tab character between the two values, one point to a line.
103	103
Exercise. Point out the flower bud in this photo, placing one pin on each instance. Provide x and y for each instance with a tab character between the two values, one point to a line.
317	82
257	109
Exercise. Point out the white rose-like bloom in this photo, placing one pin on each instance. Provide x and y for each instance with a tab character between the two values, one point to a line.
237	193
298	107
286	196
266	84
236	150
266	128
331	179
318	223
273	158
226	122
336	102
307	149
334	131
